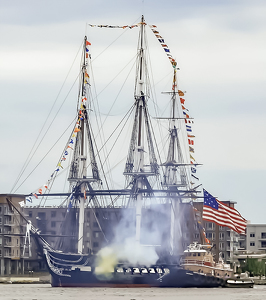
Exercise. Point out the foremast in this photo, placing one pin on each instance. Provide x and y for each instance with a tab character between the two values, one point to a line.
136	171
79	178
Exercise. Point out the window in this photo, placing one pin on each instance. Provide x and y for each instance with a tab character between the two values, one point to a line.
88	214
53	213
0	220
252	244
210	226
95	244
210	235
95	224
221	246
196	235
30	214
63	214
0	209
263	235
96	234
0	240
252	234
221	236
221	228
263	244
53	224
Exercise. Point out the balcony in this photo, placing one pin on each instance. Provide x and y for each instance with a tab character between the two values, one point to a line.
8	213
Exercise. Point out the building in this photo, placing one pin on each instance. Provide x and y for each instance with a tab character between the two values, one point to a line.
256	237
11	235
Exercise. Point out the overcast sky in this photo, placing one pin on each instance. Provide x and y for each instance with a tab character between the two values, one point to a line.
220	47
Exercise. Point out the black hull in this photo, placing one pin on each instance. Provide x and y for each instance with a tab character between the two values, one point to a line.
177	278
77	270
69	270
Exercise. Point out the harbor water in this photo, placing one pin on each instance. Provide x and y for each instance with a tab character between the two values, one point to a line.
46	292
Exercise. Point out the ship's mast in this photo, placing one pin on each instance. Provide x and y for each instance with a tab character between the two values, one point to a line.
82	161
140	147
78	177
136	171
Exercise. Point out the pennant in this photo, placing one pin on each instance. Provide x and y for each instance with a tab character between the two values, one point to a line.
76	129
194	177
40	191
88	43
166	50
193	170
182	100
190	136
35	195
190	142
161	40
191	157
191	149
29	199
187	116
180	93
188	128
21	203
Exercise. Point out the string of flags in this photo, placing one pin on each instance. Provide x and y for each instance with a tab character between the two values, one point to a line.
163	44
190	136
71	142
181	94
114	26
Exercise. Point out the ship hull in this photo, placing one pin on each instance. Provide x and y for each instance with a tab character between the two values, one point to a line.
177	278
72	270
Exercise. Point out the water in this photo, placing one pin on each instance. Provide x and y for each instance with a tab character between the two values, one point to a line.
46	292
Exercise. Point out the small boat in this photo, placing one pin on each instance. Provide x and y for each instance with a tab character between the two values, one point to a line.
239	283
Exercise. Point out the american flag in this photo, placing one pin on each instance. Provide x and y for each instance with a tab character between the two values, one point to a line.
221	214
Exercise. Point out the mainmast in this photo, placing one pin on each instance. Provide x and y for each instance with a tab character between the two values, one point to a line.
136	171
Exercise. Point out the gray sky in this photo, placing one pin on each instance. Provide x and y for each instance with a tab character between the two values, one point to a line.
220	47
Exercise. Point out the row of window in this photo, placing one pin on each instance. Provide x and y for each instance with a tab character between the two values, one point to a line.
263	235
263	244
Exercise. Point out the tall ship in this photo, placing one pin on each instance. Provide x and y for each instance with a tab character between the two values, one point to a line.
143	245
